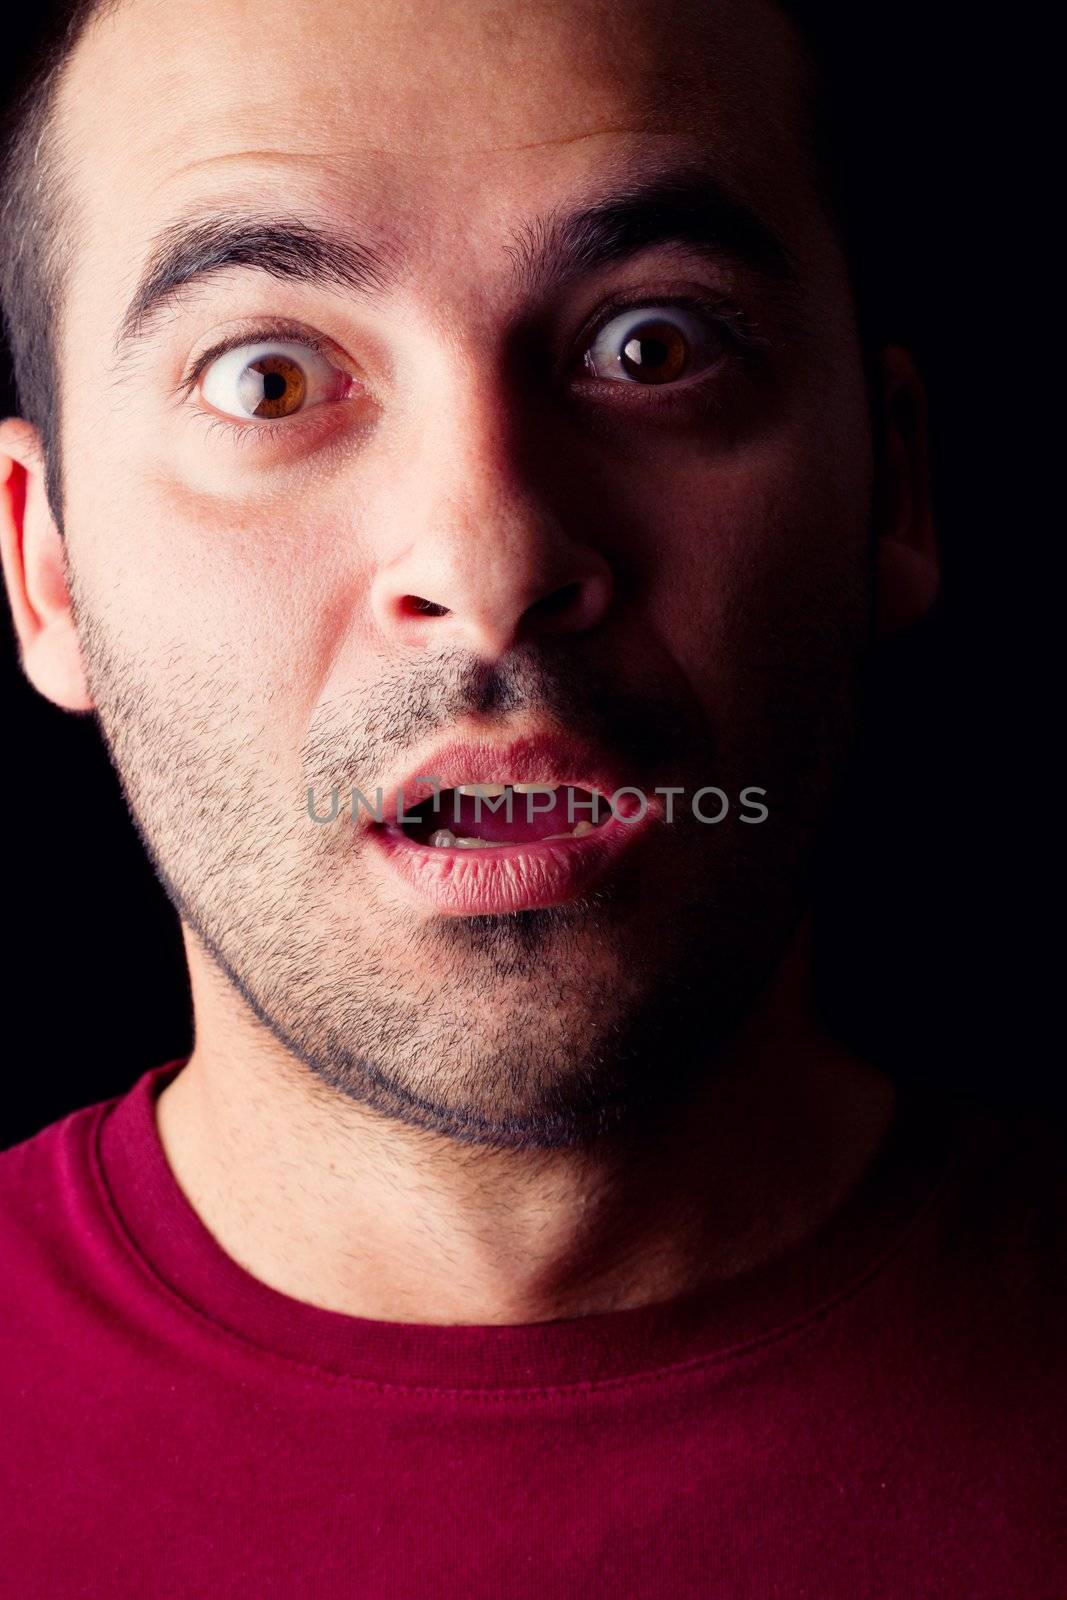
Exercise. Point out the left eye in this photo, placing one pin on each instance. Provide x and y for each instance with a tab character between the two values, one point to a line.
270	381
653	345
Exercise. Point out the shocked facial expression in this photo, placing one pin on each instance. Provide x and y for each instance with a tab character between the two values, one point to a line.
459	395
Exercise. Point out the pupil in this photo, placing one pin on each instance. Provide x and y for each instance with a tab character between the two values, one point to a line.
272	387
646	352
655	354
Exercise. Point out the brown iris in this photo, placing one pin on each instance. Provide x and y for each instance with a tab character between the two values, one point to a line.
272	386
655	352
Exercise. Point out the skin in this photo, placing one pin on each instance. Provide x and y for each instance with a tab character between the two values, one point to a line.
629	1095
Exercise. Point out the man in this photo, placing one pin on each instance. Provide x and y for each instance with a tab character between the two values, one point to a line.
457	477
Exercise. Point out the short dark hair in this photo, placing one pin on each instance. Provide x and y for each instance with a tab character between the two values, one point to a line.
36	210
35	242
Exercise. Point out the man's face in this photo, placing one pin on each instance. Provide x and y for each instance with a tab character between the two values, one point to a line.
480	507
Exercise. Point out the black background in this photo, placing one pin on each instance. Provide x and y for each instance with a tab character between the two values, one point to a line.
939	923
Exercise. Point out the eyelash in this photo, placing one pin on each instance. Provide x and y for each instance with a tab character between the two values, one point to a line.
741	337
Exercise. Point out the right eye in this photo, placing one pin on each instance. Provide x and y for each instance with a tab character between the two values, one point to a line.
271	381
655	345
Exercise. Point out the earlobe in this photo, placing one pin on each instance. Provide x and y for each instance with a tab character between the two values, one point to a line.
908	567
32	553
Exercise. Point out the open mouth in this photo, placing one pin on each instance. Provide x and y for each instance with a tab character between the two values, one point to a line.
493	816
519	825
503	847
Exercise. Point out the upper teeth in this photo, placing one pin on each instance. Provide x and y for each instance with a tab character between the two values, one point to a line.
496	789
444	838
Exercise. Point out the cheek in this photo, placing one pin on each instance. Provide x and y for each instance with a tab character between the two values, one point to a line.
263	593
759	549
778	524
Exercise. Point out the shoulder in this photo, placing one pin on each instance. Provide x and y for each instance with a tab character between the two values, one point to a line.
1012	1162
53	1185
1000	1238
51	1166
43	1181
62	1247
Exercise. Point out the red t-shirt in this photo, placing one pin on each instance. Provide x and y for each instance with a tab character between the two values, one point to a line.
878	1414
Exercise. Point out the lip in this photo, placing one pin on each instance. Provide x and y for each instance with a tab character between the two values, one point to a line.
465	882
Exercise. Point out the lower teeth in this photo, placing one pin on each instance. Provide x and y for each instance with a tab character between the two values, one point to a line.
445	839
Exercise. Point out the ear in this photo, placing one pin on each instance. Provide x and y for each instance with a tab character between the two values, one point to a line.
908	569
31	550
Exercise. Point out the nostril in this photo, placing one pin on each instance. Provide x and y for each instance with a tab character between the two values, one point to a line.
413	605
562	602
550	605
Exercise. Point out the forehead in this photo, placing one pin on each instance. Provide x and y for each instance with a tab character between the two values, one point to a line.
414	112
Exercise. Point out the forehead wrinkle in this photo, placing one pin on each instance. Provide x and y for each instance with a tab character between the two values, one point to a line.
320	159
333	160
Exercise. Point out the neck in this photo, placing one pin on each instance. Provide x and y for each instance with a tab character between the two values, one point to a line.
328	1203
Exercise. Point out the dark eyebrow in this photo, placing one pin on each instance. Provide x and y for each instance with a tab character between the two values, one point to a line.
197	246
685	206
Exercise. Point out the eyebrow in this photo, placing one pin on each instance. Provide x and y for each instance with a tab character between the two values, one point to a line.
686	206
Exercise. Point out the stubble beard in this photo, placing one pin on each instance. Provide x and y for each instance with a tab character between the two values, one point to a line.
535	1029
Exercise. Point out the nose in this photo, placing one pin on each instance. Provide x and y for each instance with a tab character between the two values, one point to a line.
475	556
